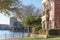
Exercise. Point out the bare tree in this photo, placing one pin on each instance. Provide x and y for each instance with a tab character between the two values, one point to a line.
38	12
26	10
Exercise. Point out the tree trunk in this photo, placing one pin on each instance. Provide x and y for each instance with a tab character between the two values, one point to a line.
28	31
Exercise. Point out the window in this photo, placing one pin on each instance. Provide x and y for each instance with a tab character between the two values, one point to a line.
44	24
50	22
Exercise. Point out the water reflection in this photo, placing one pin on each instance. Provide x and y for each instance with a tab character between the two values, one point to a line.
9	34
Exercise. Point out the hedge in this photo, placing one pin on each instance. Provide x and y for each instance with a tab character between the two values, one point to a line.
54	32
50	31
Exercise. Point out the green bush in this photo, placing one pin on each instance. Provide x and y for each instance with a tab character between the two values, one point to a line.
50	31
43	31
35	30
54	32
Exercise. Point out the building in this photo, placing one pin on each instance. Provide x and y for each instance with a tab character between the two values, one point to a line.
15	23
51	14
12	21
4	27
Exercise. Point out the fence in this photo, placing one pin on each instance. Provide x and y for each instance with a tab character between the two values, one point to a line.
12	35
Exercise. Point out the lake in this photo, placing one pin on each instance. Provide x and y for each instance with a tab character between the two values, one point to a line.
10	34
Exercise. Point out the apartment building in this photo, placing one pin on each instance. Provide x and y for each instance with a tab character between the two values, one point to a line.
12	21
51	14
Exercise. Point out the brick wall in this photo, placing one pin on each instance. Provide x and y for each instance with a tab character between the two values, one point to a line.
57	13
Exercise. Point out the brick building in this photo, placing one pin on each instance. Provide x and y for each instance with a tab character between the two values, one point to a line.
51	14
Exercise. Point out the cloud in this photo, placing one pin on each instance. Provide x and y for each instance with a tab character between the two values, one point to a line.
4	19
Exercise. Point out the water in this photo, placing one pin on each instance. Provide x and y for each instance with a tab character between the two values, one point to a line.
10	34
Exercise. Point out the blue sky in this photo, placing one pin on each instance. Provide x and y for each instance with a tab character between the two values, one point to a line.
36	3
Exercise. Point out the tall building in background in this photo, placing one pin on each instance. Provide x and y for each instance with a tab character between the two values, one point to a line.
15	23
51	14
12	21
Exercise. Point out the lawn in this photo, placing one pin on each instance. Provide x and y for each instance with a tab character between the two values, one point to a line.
39	39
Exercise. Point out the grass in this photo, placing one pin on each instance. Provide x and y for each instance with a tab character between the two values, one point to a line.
39	39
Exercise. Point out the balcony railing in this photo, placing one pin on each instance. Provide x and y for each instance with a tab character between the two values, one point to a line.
43	18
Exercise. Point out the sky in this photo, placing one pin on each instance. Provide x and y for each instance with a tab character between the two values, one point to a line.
36	3
4	19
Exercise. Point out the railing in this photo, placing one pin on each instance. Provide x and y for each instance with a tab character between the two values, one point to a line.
6	36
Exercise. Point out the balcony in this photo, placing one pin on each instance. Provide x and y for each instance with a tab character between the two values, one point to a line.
46	6
43	18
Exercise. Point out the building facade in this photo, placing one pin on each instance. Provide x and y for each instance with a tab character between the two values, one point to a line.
12	21
51	14
15	23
